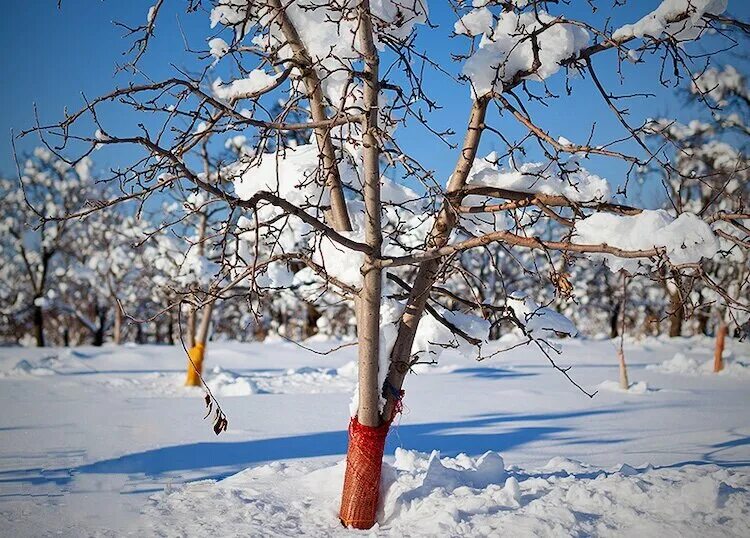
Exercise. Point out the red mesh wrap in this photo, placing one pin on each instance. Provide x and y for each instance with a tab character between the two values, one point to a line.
364	458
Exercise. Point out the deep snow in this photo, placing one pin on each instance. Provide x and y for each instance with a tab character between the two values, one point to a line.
107	442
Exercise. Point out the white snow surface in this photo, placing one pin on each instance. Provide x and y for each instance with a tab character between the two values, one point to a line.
107	442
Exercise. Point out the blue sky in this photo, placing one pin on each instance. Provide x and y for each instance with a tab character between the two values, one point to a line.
51	56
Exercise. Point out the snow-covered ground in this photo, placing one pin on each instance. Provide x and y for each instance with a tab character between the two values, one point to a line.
106	441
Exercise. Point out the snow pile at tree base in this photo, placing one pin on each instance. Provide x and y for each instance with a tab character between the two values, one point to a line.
681	364
640	387
425	495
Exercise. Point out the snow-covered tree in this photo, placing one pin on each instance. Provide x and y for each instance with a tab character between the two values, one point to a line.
33	234
353	215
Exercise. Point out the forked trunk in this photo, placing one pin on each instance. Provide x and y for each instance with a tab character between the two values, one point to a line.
365	454
721	336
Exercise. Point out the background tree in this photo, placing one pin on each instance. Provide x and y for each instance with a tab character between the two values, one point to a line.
33	236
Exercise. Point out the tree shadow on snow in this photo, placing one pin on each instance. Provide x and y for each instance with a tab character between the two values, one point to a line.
473	436
492	373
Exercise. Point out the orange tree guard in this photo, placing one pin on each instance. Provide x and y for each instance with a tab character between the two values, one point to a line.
364	458
195	365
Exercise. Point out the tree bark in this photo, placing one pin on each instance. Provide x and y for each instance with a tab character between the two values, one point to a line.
101	318
428	270
98	337
614	321
39	325
191	326
339	212
367	433
676	313
311	320
624	382
721	336
170	328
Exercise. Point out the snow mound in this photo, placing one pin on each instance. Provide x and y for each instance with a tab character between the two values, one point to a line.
681	364
225	383
425	495
309	380
641	387
25	368
567	466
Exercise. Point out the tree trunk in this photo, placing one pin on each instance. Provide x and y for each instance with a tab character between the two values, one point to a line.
39	325
117	326
367	433
361	482
614	321
311	321
101	317
98	337
157	332
721	336
190	329
197	352
624	383
428	270
170	329
677	312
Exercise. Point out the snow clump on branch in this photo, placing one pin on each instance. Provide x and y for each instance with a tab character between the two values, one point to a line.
568	179
538	321
256	82
332	42
510	50
690	13
685	239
